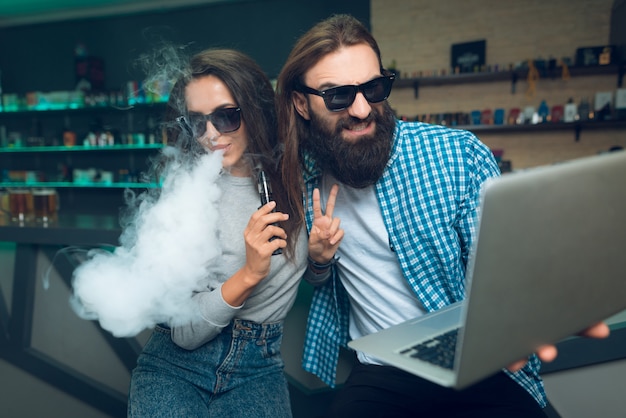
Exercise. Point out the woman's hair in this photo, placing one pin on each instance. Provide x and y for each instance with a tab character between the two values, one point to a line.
326	37
254	94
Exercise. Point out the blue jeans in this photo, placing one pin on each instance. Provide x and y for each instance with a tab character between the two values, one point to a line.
237	374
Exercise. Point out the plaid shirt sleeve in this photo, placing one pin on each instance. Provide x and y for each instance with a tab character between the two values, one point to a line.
327	324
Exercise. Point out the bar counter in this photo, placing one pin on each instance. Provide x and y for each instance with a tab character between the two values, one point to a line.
68	229
39	332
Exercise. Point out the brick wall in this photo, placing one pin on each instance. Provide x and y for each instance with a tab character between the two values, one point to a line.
418	34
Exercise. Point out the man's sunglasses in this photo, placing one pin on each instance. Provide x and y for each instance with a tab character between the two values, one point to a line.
342	97
224	120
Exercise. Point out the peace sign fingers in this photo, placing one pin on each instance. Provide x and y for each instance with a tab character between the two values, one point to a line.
325	233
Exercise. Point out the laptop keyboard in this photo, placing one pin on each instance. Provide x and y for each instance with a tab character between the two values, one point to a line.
439	350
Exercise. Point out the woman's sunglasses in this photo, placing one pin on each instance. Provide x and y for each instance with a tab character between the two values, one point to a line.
224	120
342	97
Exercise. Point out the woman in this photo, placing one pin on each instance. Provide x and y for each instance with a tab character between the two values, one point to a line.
229	363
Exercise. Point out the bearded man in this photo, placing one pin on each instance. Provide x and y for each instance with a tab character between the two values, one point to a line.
407	195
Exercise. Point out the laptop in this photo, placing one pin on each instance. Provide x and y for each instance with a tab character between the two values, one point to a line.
549	260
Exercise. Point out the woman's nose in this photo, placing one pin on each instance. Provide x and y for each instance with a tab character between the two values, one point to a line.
211	131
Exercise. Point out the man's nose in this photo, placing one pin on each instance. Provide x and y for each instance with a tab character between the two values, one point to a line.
360	108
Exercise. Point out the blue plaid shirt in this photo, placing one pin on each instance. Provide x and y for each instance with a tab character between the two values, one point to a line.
429	196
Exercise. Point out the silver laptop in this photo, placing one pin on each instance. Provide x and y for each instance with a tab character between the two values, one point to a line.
550	259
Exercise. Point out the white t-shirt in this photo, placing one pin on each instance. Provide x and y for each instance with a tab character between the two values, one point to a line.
369	270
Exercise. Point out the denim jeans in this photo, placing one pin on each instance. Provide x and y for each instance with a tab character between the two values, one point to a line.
237	374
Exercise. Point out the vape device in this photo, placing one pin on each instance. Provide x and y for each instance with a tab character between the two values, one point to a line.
265	192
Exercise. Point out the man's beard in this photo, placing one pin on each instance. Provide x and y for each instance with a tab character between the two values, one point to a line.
357	164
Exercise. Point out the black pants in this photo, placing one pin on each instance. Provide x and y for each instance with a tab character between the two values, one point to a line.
383	391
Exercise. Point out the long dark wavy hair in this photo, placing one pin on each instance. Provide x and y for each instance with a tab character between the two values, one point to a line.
253	92
322	39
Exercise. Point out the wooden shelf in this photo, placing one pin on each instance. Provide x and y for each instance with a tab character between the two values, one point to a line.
69	184
512	76
80	148
147	107
577	127
465	78
548	126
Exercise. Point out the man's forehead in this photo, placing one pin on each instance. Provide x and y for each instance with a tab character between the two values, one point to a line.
355	64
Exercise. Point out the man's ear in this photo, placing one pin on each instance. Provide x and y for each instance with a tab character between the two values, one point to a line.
301	104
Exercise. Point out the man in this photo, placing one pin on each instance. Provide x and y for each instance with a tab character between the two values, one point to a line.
407	200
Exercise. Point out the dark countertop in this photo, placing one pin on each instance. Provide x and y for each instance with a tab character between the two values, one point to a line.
72	229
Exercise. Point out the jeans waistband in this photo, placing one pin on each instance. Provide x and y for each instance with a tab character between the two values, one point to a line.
251	329
244	328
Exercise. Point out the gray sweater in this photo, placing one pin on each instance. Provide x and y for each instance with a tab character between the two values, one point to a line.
271	299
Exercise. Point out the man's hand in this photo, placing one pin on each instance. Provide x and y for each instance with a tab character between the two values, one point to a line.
325	234
548	353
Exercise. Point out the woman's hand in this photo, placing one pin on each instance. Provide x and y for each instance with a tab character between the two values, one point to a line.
325	235
262	237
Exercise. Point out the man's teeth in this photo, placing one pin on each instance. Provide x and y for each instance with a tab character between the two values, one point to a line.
359	127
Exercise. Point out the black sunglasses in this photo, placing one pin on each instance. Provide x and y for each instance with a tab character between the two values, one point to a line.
224	120
342	97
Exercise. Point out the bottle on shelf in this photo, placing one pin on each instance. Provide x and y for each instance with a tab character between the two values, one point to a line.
4	142
570	113
543	112
68	135
556	113
584	110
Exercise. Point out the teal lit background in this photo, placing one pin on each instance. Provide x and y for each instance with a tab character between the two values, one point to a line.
40	56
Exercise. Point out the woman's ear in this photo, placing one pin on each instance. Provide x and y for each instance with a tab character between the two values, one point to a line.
301	104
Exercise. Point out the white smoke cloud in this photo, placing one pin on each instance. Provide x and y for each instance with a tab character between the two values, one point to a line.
166	253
